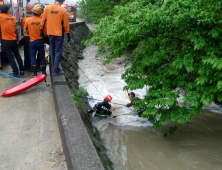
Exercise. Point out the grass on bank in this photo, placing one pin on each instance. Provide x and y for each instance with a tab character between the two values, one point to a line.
79	101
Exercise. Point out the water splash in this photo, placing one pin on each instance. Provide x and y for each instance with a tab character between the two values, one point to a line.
131	142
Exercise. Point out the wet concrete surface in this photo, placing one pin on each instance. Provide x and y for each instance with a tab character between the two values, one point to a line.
29	134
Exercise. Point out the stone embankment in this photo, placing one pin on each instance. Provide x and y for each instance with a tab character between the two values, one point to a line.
82	145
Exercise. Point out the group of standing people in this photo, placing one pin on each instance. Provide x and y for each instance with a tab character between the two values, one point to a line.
52	21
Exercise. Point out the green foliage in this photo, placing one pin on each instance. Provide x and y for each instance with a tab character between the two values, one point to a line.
90	35
79	101
97	9
179	44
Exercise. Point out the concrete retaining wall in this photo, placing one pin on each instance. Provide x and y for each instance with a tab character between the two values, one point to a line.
79	150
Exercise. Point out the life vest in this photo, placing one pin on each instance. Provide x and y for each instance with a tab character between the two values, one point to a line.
102	109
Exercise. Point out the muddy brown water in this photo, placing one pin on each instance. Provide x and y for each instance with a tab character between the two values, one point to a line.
132	143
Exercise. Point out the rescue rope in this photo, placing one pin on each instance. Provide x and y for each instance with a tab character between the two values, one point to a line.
78	95
91	82
96	99
115	120
10	77
24	81
122	104
114	116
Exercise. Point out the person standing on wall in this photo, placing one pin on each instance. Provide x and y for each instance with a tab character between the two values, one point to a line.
46	38
9	42
57	22
26	40
32	26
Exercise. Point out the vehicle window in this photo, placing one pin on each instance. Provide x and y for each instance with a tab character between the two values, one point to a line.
6	1
69	9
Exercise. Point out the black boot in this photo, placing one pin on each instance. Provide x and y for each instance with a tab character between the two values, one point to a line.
39	68
34	70
44	70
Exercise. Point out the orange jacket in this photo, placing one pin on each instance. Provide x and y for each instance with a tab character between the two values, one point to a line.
45	26
8	23
23	24
33	24
57	18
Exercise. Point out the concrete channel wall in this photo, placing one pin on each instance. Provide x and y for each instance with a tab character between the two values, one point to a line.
79	150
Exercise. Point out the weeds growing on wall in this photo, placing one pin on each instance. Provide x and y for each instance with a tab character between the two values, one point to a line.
79	101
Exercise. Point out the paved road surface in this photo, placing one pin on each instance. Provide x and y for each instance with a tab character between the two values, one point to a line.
29	134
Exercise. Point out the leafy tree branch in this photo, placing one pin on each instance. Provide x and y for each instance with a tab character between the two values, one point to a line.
178	45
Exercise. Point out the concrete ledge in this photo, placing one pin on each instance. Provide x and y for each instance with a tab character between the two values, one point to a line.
78	148
59	80
76	24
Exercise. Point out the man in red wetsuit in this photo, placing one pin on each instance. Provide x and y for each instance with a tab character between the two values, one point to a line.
131	96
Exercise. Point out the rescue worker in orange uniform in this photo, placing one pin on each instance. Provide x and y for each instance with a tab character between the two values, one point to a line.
39	68
45	26
32	26
57	22
9	42
26	40
46	37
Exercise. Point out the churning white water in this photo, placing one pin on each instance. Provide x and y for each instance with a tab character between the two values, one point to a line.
102	80
130	140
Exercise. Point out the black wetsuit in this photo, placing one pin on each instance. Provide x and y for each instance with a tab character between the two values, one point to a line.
102	109
140	112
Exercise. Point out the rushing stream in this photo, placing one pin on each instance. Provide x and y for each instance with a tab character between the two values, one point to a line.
131	142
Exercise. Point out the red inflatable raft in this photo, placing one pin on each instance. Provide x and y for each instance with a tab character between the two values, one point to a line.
24	86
